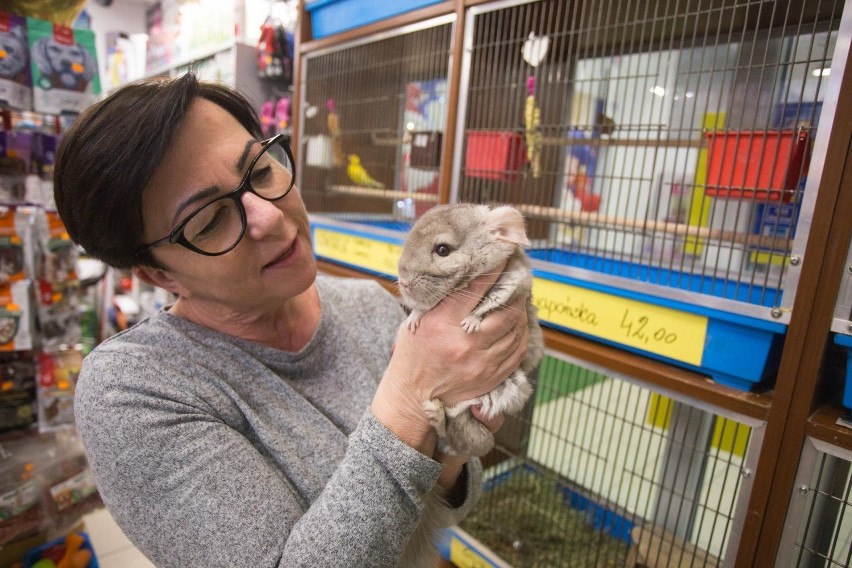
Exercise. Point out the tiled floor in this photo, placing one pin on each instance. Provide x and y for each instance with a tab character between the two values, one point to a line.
112	548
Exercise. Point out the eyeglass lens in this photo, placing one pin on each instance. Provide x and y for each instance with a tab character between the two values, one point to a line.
218	225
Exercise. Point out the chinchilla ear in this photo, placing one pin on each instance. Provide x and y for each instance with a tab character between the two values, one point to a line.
507	224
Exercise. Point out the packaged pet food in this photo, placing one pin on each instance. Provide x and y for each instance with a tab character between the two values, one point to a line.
64	67
16	316
16	86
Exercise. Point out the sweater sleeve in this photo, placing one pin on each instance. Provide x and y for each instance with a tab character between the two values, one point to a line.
188	490
370	507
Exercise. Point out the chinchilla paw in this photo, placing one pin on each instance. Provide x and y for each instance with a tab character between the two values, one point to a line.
412	322
471	324
434	411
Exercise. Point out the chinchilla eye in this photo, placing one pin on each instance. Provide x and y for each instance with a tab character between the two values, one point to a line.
442	250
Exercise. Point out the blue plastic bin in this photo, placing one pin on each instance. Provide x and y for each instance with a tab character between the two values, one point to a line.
33	555
329	17
845	342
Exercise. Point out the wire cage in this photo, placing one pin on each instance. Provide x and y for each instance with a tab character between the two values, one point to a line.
373	114
664	142
602	471
818	530
660	151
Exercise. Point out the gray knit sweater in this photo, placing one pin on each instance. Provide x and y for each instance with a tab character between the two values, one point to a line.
213	451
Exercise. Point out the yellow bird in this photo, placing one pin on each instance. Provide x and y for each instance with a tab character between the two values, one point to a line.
359	175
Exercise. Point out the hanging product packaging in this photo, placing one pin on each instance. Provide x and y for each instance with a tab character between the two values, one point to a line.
17	256
64	67
15	165
57	379
16	86
44	157
17	395
320	152
57	283
15	317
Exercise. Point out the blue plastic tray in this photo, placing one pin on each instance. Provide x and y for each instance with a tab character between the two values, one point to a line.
701	283
329	17
33	555
845	341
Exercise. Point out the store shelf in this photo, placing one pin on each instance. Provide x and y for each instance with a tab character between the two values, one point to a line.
195	55
662	376
823	425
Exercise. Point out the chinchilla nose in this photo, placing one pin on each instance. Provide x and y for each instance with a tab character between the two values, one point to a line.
403	283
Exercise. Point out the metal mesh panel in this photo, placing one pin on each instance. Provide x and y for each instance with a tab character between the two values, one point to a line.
664	142
819	523
384	102
604	472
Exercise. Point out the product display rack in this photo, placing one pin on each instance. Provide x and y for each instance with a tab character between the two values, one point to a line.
799	378
49	323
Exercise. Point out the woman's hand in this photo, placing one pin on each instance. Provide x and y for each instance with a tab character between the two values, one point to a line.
442	361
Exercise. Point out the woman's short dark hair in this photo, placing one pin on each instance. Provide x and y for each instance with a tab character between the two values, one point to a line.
109	155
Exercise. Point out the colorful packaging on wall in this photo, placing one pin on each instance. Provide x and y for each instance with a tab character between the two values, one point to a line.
59	271
44	158
64	67
58	317
16	243
57	379
16	86
15	317
17	393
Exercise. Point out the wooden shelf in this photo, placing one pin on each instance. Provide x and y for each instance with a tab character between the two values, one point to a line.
593	219
661	375
823	426
384	193
628	142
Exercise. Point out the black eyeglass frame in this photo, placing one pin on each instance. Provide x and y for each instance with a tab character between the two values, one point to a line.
176	235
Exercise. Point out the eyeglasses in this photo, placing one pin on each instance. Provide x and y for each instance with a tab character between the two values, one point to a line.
218	226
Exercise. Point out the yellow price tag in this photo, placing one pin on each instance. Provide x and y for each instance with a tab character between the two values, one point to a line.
663	331
372	254
464	557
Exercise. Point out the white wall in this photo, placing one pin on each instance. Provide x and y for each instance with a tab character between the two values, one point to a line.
123	16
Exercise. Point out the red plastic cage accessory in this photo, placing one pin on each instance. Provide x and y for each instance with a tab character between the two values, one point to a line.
499	155
756	164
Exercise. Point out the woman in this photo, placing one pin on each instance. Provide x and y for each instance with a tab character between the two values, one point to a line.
269	417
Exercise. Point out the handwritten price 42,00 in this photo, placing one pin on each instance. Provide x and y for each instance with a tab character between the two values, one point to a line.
640	329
